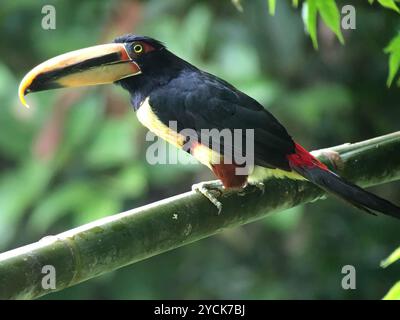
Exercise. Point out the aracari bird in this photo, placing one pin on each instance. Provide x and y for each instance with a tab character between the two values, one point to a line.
164	88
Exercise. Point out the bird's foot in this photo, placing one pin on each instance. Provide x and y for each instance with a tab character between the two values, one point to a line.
214	189
259	185
332	156
250	187
209	189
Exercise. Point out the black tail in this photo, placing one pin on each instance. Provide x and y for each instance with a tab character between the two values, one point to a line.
347	191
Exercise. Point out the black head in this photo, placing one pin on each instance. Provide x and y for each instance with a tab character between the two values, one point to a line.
132	38
145	51
157	64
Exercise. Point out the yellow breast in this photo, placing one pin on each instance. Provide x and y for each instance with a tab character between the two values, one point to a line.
149	119
260	173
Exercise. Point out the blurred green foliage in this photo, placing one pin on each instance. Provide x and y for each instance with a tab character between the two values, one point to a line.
393	49
78	155
394	256
329	12
394	293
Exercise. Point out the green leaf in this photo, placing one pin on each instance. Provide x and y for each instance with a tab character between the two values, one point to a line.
130	182
16	122
87	200
371	1
237	5
331	16
114	144
392	258
390	4
197	26
309	15
272	7
82	122
394	64
393	49
394	293
20	189
58	203
97	204
295	3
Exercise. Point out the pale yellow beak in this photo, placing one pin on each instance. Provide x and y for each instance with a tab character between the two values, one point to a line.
90	66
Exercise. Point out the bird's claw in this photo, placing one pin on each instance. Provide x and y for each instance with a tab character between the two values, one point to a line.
207	188
255	184
260	186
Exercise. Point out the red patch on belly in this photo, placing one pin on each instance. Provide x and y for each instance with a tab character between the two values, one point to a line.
227	174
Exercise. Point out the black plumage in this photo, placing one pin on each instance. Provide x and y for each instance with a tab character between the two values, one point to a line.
178	91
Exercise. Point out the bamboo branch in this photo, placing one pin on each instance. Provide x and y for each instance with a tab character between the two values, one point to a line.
115	241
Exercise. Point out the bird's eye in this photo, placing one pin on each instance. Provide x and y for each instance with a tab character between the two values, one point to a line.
138	48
